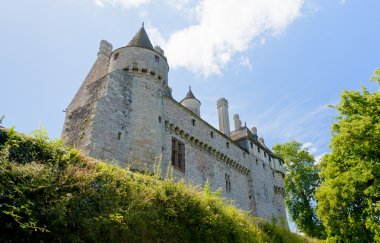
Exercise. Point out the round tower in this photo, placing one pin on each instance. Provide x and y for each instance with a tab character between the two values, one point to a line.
147	69
191	103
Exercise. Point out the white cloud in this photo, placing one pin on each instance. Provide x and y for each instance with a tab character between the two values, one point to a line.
125	3
309	146
318	158
179	4
287	119
225	28
220	29
245	62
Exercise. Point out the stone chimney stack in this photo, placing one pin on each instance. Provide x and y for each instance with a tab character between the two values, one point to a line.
105	49
224	123
237	122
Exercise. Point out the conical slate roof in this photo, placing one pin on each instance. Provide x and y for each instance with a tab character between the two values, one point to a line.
141	39
189	95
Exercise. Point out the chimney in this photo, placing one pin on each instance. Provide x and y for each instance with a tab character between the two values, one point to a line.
237	122
224	124
105	49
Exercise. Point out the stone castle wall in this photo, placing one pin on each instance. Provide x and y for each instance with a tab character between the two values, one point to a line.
253	177
121	115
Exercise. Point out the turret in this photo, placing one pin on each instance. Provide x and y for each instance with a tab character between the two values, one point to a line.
140	56
191	103
224	123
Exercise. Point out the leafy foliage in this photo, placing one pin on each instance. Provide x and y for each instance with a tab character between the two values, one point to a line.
52	193
349	196
301	181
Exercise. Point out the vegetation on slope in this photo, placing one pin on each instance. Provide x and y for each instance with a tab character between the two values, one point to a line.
52	193
349	195
301	181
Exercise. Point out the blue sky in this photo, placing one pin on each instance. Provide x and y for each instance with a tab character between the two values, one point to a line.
278	62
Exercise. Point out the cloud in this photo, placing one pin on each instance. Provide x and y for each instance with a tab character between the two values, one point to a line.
309	146
342	1
318	158
245	62
295	119
225	28
124	3
179	4
218	30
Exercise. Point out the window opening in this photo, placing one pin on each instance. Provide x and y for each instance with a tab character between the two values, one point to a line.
228	182
115	56
178	154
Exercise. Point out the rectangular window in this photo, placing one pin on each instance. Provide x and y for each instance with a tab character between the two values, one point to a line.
157	58
178	154
228	182
258	149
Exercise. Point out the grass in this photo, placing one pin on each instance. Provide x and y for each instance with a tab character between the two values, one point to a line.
49	192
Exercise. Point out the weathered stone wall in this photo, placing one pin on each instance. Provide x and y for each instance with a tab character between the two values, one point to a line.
203	158
208	157
111	133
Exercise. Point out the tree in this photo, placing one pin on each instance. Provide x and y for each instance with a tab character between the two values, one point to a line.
349	195
301	181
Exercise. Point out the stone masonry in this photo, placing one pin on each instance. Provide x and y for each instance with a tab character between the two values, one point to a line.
124	114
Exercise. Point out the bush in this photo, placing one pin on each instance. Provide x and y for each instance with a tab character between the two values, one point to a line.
52	193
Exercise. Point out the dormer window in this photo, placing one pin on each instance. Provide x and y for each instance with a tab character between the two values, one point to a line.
115	56
157	58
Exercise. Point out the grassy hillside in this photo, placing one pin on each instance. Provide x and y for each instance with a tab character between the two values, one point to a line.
52	193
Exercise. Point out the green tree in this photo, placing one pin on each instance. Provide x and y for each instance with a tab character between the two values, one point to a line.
349	195
301	181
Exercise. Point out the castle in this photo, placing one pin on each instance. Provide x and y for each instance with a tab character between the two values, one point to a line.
124	113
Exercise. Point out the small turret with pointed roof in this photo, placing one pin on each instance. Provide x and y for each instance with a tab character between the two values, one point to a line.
141	39
191	103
